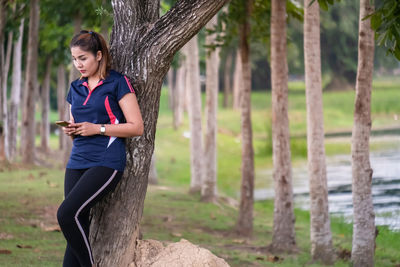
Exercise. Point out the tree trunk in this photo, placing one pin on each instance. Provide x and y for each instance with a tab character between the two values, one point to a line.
245	219
104	25
227	79
364	225
61	102
28	116
45	131
179	94
320	227
209	183
283	238
153	179
73	75
171	92
237	82
15	92
5	70
2	26
142	47
194	109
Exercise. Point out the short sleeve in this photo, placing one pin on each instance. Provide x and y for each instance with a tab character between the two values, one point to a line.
124	87
69	96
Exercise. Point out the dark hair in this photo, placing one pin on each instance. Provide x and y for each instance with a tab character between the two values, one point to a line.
93	42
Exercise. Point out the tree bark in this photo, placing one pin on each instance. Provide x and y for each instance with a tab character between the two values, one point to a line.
283	238
227	80
195	112
45	130
209	183
61	102
5	70
245	219
237	82
28	116
142	47
364	225
15	92
320	227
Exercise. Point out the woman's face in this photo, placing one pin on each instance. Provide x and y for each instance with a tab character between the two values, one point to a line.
85	61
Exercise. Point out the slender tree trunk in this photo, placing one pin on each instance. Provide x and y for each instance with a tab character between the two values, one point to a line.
320	227
73	75
28	116
283	238
237	82
194	108
227	80
143	38
61	103
153	177
15	92
179	94
5	70
245	220
104	25
364	225
2	26
46	106
209	183
171	91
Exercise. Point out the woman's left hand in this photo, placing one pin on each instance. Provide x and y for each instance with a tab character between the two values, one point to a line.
86	128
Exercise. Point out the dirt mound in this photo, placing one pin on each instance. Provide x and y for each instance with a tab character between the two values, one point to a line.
152	253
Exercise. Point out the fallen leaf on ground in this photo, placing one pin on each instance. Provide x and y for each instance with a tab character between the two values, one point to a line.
5	251
51	228
176	234
52	184
167	218
5	236
24	246
273	258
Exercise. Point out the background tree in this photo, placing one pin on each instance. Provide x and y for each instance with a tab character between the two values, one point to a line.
16	91
283	238
5	67
133	40
209	183
245	218
364	218
30	88
195	113
320	228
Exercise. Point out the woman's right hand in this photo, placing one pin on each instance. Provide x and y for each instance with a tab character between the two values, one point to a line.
70	131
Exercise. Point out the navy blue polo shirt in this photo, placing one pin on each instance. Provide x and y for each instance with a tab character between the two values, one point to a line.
99	106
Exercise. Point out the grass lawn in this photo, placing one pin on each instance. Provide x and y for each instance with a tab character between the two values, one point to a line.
29	196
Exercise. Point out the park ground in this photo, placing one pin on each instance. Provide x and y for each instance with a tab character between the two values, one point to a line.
30	195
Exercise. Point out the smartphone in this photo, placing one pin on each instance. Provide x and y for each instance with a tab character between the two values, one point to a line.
62	123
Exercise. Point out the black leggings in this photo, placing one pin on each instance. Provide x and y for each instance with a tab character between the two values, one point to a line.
83	188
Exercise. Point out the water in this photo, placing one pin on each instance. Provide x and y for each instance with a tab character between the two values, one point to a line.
385	187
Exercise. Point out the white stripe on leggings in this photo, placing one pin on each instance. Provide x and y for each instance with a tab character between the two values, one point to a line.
84	204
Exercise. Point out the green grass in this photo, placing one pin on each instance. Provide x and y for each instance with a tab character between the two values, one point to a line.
170	213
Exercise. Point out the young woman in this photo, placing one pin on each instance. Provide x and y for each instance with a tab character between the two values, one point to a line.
103	111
